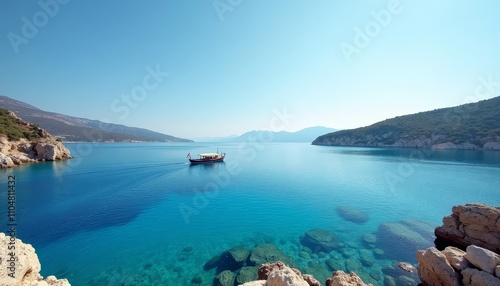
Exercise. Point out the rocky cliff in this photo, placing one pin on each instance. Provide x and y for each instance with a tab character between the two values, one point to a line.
19	265
22	142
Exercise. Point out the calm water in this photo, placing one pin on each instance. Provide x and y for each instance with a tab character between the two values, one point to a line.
126	214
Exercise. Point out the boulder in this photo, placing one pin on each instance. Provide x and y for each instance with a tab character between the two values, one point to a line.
434	269
266	253
472	224
320	240
497	271
239	254
285	276
225	278
400	240
247	274
255	283
27	265
406	266
366	257
456	258
483	259
352	214
474	277
340	278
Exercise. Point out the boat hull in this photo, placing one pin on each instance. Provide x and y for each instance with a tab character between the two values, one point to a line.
206	161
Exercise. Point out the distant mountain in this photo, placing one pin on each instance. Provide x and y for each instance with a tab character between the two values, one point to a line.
70	128
304	135
472	126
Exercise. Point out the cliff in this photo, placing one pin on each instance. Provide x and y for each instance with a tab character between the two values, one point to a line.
19	265
22	142
473	126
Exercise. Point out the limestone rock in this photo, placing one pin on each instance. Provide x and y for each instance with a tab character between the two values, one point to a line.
406	266
469	224
434	269
320	240
285	276
255	283
483	259
456	258
497	271
475	277
340	278
27	265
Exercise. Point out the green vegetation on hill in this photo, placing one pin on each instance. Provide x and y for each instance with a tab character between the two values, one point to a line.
15	129
475	123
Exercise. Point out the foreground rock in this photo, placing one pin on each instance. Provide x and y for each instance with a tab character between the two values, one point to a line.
452	266
27	266
469	224
14	153
339	278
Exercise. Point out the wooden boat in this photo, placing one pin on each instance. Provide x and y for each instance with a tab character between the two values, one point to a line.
207	158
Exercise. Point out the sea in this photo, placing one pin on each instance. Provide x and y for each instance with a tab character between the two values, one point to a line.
140	214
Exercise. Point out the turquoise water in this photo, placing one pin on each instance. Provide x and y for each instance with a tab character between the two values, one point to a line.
126	214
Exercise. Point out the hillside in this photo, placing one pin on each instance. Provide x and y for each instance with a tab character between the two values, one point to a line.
70	128
470	126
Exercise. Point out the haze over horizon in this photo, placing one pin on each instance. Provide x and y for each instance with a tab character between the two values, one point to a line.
217	68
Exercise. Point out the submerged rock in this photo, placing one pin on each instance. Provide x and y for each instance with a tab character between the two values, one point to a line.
225	278
247	274
239	254
320	240
266	253
401	240
352	214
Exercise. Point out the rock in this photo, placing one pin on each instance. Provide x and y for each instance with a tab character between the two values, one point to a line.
320	240
483	259
266	253
212	263
352	214
369	239
247	274
352	264
491	146
379	253
348	252
318	270
266	269
197	279
406	266
475	277
304	255
389	281
456	258
255	283
310	280
366	257
434	269
406	281
400	241
334	264
239	254
472	224
285	276
225	278
6	161
27	265
187	249
497	271
340	278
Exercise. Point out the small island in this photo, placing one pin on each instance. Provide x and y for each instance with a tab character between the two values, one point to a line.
22	142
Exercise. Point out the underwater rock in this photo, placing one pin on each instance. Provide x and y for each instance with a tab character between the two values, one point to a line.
212	263
239	254
319	240
266	253
348	252
389	281
366	257
304	255
352	214
187	249
197	279
247	274
406	266
225	278
353	265
318	270
400	241
369	239
406	281
379	253
335	265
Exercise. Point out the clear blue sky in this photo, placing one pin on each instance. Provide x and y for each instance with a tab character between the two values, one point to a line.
232	63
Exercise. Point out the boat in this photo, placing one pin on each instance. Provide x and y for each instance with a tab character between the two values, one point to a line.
207	158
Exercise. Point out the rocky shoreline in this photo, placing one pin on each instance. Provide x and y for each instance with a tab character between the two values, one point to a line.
25	269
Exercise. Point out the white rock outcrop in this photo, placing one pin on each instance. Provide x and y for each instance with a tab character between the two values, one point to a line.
23	267
13	153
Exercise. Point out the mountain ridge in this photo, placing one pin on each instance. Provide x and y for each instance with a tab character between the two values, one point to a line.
70	128
472	126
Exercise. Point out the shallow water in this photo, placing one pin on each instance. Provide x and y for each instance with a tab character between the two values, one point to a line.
126	214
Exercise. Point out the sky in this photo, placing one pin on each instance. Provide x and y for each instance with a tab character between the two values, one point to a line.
216	68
